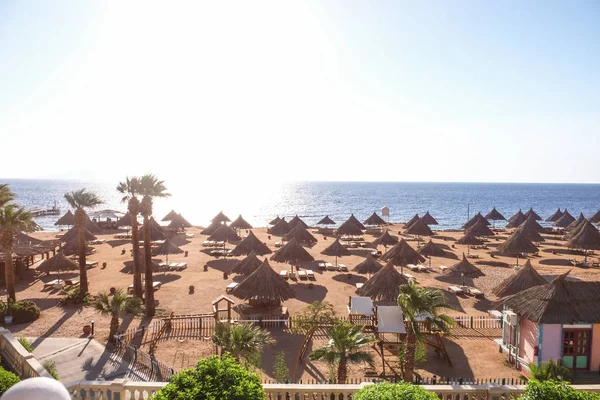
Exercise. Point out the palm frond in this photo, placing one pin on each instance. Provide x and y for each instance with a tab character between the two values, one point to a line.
82	198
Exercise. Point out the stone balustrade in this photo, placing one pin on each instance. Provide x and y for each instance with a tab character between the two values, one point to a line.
20	360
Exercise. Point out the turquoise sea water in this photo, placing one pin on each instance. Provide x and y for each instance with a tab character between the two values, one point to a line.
259	203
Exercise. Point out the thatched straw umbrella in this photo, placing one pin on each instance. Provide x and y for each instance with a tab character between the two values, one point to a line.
588	238
264	287
575	223
250	244
352	218
369	266
92	226
516	220
67	219
326	221
525	278
419	228
476	218
58	263
128	269
411	221
336	249
595	218
431	250
516	244
469	240
529	231
301	234
557	214
220	218
178	222
125	220
297	221
533	214
558	302
349	228
386	239
209	230
565	220
479	228
494	216
402	254
165	249
280	228
531	224
516	215
384	286
156	231
224	234
72	247
374	219
73	232
275	220
169	217
247	265
464	269
240	223
428	219
292	253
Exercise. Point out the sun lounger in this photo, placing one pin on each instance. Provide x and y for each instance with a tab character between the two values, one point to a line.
322	266
329	266
231	286
91	264
342	268
412	267
189	235
310	274
472	256
181	266
155	285
443	268
284	274
71	282
54	283
97	241
422	268
455	289
302	275
376	253
409	277
475	292
359	285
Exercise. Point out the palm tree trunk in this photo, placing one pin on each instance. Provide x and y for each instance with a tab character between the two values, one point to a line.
9	273
137	270
342	372
150	309
114	327
409	362
80	218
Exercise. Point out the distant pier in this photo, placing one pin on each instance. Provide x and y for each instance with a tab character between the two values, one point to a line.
41	212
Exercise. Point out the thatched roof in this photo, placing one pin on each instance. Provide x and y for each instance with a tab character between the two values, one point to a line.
72	247
220	217
179	222
128	266
247	265
67	219
275	220
250	244
431	249
336	249
419	228
495	215
531	224
264	284
25	245
516	215
374	219
369	266
428	219
92	227
349	228
595	218
529	232
525	278
125	220
156	231
402	254
464	269
565	220
469	240
209	230
280	228
292	253
476	218
386	239
516	220
166	248
479	228
326	221
558	302
297	221
557	214
575	223
224	234
301	234
588	238
352	218
58	263
533	214
384	285
169	216
515	244
411	221
240	223
72	233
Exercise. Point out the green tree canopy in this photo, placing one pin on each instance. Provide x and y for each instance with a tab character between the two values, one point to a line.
391	391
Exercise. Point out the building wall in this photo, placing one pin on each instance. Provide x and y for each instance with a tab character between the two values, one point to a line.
528	340
595	356
551	342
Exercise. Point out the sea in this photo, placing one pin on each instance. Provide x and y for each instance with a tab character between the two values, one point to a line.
259	202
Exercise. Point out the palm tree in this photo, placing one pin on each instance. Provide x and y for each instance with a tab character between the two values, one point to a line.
116	305
244	342
345	347
12	221
130	189
6	195
149	187
80	200
421	304
548	370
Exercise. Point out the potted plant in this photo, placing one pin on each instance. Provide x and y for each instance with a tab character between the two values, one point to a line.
192	288
87	329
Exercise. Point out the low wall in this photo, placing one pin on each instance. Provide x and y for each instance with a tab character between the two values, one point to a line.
22	362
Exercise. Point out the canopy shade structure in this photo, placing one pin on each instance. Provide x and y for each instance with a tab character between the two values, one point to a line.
374	219
419	228
292	253
349	228
104	214
280	228
264	286
73	232
128	266
411	221
57	264
25	245
326	221
125	220
384	285
166	249
224	234
431	249
533	214
390	320
428	219
360	305
251	244
464	269
275	220
588	238
169	216
67	219
565	220
297	221
595	218
469	240
369	266
558	302
573	225
247	265
72	247
557	214
386	239
494	215
516	220
529	232
301	234
179	222
209	230
240	223
402	254
531	224
156	231
476	218
516	244
220	218
91	226
336	250
352	218
479	228
525	278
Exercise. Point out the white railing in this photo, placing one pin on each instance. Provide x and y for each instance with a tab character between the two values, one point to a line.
20	360
121	389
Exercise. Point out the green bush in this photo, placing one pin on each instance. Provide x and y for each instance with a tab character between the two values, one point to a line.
74	296
551	390
281	372
392	391
26	344
214	378
21	311
50	366
7	379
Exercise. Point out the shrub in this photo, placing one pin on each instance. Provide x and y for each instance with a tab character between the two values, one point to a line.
549	371
391	391
555	391
281	372
214	378
74	296
21	311
50	366
26	344
7	379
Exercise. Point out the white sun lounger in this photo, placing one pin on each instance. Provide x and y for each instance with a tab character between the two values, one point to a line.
302	274
455	289
329	266
284	274
231	286
409	277
322	265
342	268
412	267
310	274
443	268
475	292
359	285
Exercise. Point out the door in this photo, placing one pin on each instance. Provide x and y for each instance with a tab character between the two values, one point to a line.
576	348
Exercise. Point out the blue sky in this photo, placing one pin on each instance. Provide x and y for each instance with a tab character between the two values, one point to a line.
349	90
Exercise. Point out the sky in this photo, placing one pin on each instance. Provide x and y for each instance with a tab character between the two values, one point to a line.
444	91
